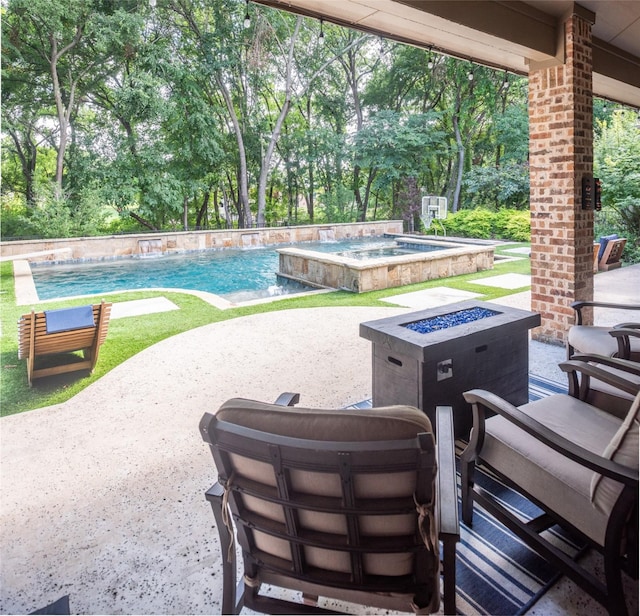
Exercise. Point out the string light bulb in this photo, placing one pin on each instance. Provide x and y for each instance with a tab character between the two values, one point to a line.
505	83
470	75
321	37
247	17
430	60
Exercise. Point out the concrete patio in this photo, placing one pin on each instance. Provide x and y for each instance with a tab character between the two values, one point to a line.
102	496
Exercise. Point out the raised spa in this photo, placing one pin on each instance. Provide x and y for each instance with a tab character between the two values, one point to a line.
403	262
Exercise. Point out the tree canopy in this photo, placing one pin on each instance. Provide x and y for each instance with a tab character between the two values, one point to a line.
126	114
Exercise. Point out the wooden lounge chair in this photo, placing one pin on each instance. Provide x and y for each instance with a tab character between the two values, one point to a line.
62	332
348	504
610	251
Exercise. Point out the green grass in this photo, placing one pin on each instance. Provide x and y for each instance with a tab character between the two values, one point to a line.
130	335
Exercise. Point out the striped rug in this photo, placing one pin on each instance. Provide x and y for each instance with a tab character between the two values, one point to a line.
497	574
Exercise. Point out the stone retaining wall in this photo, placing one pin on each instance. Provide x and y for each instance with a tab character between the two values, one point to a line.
105	247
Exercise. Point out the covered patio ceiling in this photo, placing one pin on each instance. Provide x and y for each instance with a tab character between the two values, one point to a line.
513	35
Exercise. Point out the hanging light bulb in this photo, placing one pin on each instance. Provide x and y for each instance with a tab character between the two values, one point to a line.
470	75
430	60
321	37
604	108
247	17
152	4
505	83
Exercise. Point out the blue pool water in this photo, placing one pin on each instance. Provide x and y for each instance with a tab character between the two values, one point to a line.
234	274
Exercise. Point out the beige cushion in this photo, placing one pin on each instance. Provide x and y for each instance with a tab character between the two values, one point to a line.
623	449
597	340
560	484
377	424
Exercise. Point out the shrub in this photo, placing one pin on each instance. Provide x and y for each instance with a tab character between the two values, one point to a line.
481	223
512	225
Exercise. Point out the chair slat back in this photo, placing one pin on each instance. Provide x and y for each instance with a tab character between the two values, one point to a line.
339	513
35	324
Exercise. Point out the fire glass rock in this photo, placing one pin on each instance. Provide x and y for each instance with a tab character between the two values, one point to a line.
444	321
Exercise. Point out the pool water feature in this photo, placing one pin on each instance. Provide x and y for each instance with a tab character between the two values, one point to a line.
234	274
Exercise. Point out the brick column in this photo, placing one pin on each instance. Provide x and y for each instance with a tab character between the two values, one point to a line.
560	154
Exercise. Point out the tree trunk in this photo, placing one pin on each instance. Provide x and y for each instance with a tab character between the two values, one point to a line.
275	134
64	113
143	222
461	154
244	209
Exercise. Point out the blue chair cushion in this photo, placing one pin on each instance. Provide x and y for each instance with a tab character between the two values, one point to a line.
66	319
604	240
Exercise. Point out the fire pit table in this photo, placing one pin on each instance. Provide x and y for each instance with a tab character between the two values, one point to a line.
431	357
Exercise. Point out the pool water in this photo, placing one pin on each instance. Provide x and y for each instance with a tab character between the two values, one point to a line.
236	275
387	251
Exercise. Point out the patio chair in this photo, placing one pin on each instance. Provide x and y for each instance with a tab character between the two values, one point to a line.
345	504
609	252
578	463
622	340
42	335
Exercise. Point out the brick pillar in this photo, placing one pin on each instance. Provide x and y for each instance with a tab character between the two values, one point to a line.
560	154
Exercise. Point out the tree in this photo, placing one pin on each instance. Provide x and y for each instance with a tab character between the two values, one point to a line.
70	42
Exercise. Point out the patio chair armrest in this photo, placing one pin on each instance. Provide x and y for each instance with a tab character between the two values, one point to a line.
579	305
627	365
447	488
481	400
287	398
622	333
630	325
580	389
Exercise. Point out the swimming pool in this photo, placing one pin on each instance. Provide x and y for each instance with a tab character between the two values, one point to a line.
235	275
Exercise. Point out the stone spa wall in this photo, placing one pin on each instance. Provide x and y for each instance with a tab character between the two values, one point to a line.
342	272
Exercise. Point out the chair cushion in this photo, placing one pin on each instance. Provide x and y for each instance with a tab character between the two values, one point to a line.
596	340
604	240
67	319
560	484
623	448
376	424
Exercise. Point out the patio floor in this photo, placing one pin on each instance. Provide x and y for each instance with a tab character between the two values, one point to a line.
102	496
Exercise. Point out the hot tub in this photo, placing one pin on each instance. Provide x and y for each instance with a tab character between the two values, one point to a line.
426	260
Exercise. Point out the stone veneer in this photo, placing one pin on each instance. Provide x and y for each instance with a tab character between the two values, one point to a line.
95	248
342	272
561	154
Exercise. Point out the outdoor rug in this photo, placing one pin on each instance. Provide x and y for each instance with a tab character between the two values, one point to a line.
497	574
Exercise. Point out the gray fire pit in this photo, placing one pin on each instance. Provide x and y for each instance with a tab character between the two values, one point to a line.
432	357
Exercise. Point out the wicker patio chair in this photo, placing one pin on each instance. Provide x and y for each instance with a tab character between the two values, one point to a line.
345	504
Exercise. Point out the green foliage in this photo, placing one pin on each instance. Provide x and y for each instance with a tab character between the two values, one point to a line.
60	217
617	164
483	223
512	225
470	223
503	186
12	220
